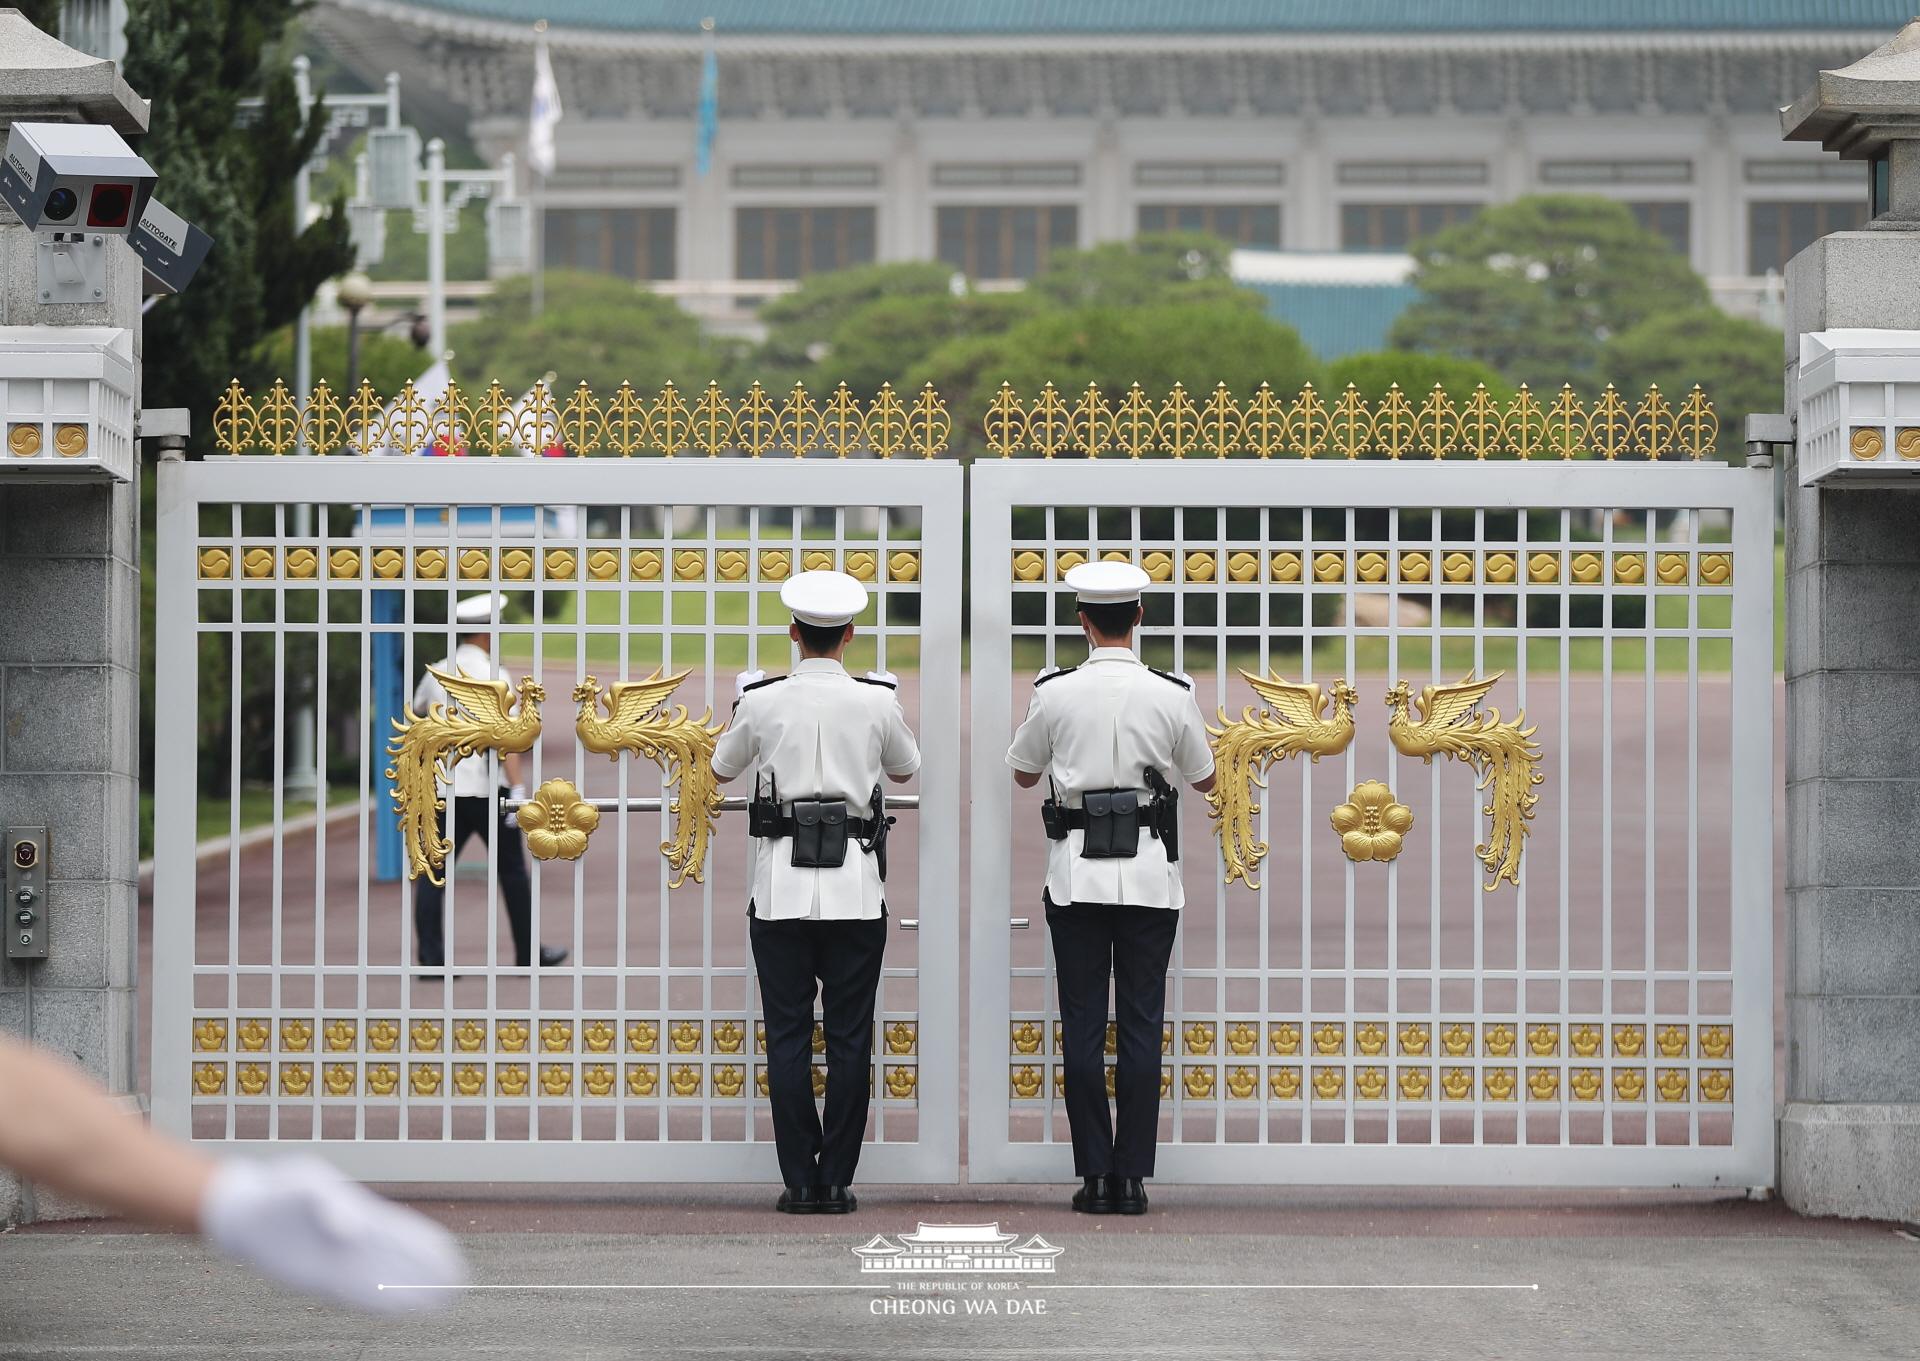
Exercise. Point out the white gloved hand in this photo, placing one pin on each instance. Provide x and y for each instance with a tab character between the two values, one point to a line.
744	679
518	794
884	677
303	1223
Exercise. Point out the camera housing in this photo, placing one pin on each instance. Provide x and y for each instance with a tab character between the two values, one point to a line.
78	178
170	247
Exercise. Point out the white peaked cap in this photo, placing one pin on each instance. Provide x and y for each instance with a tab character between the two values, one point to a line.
1107	583
480	609
824	598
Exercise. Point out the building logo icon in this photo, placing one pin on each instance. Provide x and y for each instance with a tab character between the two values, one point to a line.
957	1247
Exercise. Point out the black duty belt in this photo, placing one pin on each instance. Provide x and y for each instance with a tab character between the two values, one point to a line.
864	828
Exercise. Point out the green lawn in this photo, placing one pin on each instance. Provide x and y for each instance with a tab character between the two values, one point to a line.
644	646
1414	653
215	815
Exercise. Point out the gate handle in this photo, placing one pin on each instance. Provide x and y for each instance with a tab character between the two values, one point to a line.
913	923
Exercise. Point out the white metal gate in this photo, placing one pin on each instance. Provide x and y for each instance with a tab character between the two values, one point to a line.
1605	1020
286	1007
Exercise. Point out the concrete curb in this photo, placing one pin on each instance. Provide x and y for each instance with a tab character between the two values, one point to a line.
253	836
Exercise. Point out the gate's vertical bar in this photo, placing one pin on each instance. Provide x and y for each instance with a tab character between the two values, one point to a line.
1649	819
1392	758
939	936
1609	600
990	608
176	704
279	898
1752	872
1564	796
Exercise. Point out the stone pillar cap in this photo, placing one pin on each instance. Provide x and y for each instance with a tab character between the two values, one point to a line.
41	77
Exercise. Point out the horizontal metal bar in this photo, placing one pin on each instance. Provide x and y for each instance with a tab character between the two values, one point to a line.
913	923
733	803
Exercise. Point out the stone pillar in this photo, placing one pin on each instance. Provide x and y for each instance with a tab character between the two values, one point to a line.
70	651
1850	1131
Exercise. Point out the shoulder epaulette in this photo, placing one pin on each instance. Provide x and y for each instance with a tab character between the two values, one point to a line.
770	680
1055	675
875	680
1180	681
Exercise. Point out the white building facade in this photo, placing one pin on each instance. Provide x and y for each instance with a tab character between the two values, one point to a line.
984	136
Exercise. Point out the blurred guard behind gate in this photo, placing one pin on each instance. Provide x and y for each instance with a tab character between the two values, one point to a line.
818	741
476	809
1112	735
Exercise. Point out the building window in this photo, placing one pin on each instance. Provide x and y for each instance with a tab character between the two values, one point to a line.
1413	172
806	176
1616	172
1165	174
1786	171
986	241
1244	224
1017	175
791	243
1776	232
614	177
634	243
1671	220
1395	226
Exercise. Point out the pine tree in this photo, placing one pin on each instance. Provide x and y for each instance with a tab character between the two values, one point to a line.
196	60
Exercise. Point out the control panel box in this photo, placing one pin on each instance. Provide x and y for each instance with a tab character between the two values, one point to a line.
66	403
26	903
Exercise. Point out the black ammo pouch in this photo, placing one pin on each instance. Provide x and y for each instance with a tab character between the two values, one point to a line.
819	834
1112	824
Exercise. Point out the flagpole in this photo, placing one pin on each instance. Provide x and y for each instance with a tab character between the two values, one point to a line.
539	242
541	162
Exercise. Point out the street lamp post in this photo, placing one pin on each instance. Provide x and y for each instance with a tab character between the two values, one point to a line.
353	292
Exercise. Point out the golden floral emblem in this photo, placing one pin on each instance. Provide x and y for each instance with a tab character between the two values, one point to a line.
557	821
1371	825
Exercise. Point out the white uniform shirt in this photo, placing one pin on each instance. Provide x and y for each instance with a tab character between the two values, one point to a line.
477	776
822	735
1097	727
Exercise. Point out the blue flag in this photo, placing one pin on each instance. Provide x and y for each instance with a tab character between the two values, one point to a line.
709	111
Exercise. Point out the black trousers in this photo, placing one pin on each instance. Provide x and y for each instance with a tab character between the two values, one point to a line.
470	817
843	957
1092	943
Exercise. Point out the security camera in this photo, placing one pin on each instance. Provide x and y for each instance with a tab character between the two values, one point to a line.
169	246
76	178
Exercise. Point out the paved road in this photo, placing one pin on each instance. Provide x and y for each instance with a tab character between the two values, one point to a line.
1605	828
1265	1275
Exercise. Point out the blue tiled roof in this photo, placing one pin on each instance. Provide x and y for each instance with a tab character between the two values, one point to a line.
1190	16
1337	319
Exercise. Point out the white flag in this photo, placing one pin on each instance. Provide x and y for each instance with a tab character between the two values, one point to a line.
545	115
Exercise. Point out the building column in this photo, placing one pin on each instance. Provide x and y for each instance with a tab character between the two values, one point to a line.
70	654
1850	1132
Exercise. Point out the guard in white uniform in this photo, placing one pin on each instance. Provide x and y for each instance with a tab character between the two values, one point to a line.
476	809
818	741
1112	735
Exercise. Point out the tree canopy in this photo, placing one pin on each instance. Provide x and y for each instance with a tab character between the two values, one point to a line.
1736	361
1535	288
592	329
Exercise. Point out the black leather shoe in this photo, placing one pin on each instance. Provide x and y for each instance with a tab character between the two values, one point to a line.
552	955
796	1200
834	1200
1130	1196
1095	1196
